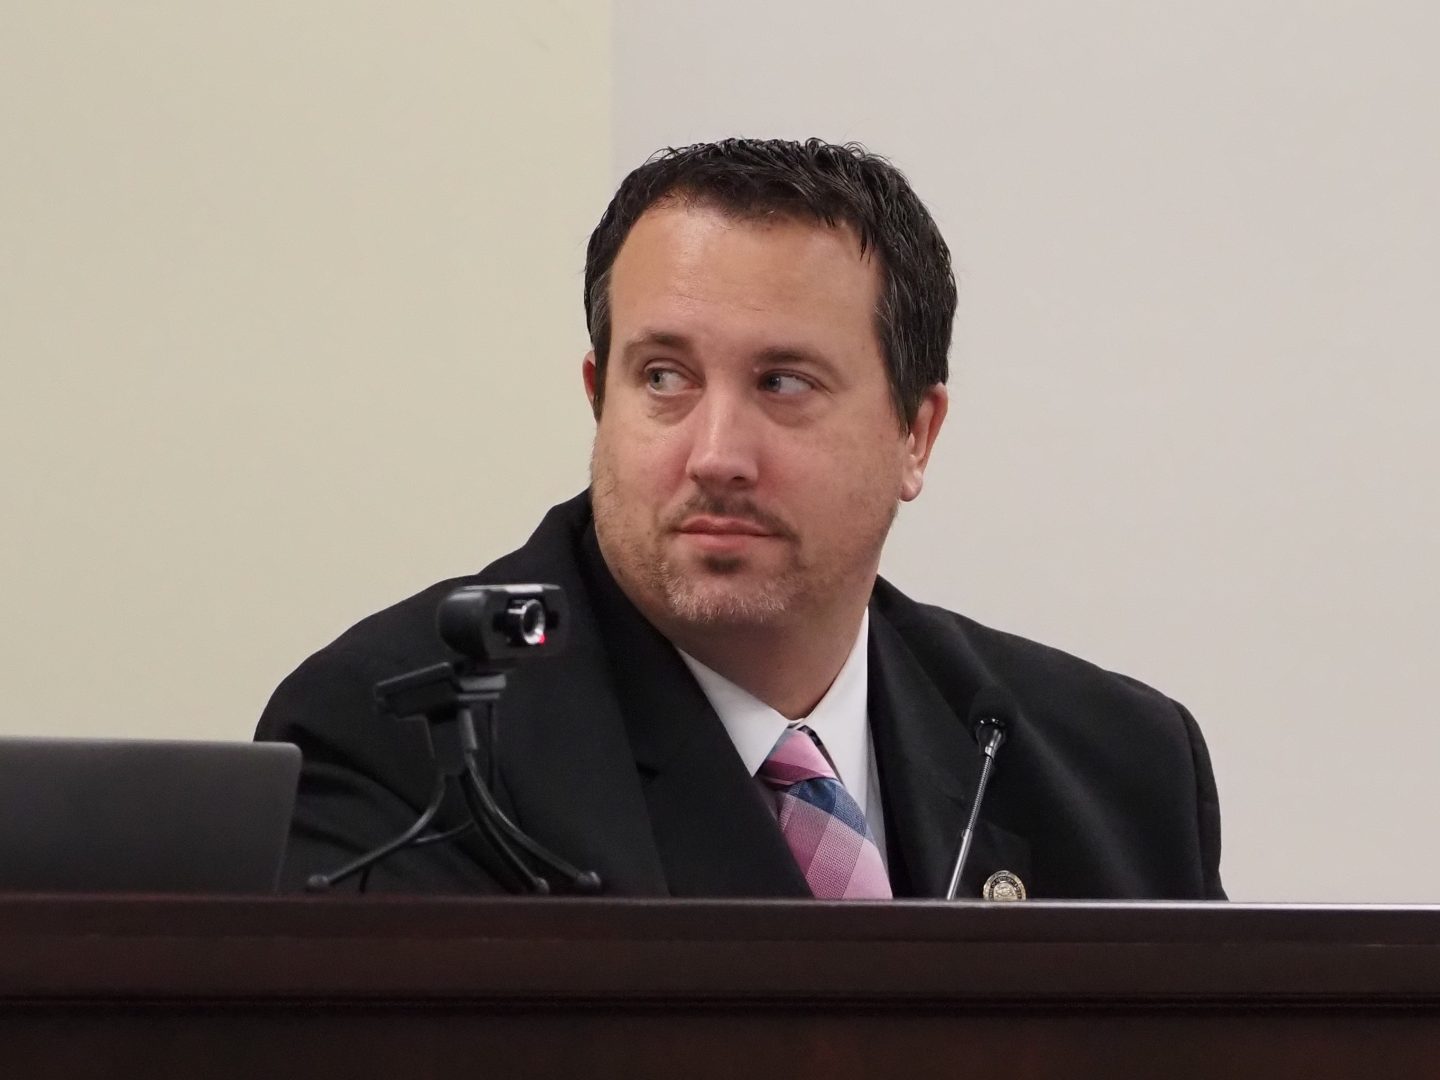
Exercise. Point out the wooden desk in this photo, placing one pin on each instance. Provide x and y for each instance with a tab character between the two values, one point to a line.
408	988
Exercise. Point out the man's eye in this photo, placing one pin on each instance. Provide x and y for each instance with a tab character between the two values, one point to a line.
665	380
780	382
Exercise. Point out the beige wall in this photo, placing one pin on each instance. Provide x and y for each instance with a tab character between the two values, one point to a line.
1196	379
290	327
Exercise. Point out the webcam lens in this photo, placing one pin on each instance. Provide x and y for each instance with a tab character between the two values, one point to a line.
525	622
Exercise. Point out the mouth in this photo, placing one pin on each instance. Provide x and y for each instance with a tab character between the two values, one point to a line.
713	536
708	525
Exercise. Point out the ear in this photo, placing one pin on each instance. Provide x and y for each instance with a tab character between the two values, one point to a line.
587	372
921	440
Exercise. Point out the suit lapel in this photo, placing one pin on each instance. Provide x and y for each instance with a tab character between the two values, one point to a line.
929	765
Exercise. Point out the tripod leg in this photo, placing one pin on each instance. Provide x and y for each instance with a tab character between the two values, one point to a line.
584	881
520	877
322	882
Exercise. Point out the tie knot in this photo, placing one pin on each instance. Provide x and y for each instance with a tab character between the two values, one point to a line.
796	757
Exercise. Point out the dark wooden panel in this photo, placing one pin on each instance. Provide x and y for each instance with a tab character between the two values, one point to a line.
320	1042
450	987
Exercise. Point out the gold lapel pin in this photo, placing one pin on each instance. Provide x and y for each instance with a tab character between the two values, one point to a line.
1003	886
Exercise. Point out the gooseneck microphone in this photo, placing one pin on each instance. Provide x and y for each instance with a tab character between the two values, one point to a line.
991	714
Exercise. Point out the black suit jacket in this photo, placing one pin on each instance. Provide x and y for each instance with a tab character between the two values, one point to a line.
611	755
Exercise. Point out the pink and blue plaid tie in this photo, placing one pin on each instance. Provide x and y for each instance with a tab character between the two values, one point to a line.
821	823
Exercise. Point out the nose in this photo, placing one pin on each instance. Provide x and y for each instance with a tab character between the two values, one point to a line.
724	448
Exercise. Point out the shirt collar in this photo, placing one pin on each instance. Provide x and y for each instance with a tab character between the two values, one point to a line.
839	718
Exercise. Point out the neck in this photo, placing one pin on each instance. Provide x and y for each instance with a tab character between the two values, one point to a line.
788	667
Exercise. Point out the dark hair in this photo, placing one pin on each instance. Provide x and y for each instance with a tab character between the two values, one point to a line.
833	185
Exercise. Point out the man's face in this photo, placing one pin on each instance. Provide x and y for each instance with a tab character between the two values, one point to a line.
748	460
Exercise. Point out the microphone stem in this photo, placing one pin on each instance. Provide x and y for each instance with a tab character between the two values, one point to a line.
969	833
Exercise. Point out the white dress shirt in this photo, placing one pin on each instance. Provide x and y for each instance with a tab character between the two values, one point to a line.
841	720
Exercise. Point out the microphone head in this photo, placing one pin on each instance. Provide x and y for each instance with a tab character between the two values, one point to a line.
992	712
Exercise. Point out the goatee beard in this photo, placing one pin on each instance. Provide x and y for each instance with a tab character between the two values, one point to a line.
712	602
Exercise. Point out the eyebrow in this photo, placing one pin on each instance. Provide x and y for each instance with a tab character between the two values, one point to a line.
781	355
665	339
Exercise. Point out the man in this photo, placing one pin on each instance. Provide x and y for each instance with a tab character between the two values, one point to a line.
743	707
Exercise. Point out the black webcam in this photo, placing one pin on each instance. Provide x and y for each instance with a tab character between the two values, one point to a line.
500	625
